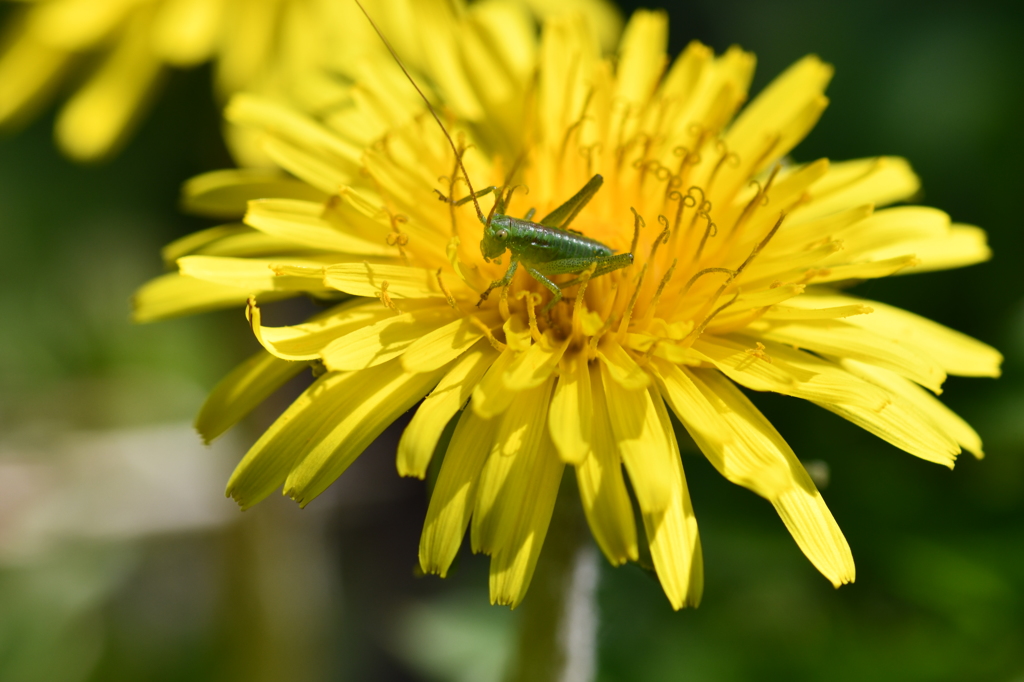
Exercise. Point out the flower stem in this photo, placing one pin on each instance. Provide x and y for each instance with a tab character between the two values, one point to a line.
558	624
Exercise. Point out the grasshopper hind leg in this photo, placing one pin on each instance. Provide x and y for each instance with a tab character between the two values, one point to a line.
556	293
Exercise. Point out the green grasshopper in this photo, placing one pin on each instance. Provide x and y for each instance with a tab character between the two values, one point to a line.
545	248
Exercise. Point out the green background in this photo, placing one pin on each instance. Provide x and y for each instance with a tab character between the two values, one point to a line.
330	593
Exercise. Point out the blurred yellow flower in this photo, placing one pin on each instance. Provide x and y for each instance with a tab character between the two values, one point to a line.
302	51
736	282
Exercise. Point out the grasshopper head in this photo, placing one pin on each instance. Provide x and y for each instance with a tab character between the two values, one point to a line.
495	238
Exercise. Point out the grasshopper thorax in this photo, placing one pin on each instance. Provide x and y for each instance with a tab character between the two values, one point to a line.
496	235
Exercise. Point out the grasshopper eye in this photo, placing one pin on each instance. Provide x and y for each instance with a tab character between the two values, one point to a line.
501	234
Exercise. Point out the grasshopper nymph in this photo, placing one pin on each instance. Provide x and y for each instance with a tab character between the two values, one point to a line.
544	248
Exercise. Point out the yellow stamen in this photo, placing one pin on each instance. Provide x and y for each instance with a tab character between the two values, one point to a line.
385	297
532	299
495	343
447	293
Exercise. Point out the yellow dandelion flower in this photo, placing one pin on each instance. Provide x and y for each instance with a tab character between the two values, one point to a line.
290	49
741	257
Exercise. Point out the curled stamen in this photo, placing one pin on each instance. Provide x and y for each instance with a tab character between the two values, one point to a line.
495	343
447	293
753	254
705	271
663	284
638	222
385	297
732	158
662	237
577	124
760	246
703	199
508	197
695	334
532	300
624	323
761	198
710	231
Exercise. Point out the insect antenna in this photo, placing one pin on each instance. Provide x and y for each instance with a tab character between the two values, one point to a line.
433	113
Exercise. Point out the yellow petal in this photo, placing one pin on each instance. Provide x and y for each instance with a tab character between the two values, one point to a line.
308	340
512	565
77	24
909	421
99	115
962	245
943	418
785	370
491	33
225	193
421	436
254	274
243	389
301	222
599	476
953	351
490	397
846	339
570	419
186	32
437	19
892	226
567	52
446	343
759	459
518	488
782	312
454	495
375	399
688	403
533	366
387	339
642	443
30	72
325	175
622	367
799	231
784	112
641	56
297	143
367	279
878	181
603	16
867	270
285	122
267	463
508	488
672	533
173	294
249	41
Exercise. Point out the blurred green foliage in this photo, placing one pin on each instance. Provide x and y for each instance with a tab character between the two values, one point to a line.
330	594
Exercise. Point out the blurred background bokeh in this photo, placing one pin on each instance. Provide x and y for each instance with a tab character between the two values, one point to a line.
120	559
